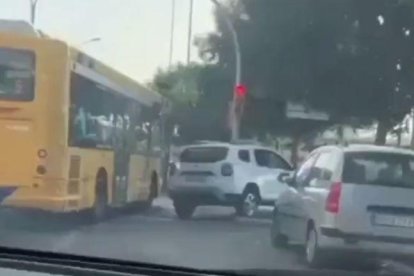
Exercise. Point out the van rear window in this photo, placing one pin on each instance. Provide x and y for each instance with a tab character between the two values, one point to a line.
204	154
379	168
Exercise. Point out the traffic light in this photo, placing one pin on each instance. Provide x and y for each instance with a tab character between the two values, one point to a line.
240	91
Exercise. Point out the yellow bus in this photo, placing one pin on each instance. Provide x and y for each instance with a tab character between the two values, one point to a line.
74	134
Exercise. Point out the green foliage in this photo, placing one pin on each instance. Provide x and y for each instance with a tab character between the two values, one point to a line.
351	58
179	83
200	94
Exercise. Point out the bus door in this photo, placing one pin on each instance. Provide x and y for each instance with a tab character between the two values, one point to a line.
121	160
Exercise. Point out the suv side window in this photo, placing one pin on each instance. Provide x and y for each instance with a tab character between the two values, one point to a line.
269	159
305	173
244	155
277	162
262	158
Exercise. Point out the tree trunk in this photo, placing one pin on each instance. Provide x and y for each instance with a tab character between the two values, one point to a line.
412	128
295	150
381	135
340	134
399	134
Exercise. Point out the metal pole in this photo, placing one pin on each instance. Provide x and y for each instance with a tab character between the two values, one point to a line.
412	128
235	126
166	136
172	25
33	4
189	33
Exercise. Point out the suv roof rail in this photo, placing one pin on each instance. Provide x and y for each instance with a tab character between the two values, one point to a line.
246	142
206	142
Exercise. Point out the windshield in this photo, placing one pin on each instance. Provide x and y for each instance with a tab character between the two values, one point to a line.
204	154
382	169
16	75
236	135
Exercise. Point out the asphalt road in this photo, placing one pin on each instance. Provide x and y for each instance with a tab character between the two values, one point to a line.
214	239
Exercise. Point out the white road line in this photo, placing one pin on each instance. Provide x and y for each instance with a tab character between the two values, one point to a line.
254	220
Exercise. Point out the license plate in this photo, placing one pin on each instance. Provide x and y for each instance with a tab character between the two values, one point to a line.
195	178
393	220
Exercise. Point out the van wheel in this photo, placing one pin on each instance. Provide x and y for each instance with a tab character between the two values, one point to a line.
100	207
184	209
249	203
314	256
277	238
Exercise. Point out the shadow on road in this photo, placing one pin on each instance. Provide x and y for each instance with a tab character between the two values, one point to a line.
43	222
226	213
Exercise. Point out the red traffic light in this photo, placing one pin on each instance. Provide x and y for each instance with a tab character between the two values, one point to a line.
240	90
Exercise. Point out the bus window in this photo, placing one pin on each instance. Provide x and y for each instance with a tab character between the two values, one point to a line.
92	118
16	74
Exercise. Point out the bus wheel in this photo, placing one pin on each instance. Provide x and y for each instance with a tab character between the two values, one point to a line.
100	207
153	191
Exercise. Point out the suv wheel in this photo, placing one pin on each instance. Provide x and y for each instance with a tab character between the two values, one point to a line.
249	203
184	209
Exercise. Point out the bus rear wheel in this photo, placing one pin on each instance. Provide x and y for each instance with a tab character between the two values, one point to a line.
100	206
153	192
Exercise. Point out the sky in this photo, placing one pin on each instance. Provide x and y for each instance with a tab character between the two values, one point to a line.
135	34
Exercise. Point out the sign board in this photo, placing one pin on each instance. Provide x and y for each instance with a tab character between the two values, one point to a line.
300	111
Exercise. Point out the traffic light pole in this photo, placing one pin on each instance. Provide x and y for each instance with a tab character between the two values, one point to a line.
235	120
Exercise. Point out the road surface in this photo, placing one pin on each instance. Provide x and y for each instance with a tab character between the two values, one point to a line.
214	239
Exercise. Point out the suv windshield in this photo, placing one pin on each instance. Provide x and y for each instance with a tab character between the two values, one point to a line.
377	168
204	154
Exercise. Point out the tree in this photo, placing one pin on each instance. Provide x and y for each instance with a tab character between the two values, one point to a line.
199	94
179	84
351	58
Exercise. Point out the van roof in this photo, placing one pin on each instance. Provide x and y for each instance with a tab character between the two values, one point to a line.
375	148
369	148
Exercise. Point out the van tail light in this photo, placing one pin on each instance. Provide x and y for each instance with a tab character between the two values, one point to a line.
173	169
227	169
334	196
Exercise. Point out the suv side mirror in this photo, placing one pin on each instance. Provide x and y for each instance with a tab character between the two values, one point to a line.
288	178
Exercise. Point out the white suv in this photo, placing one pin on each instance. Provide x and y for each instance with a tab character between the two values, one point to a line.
243	176
354	199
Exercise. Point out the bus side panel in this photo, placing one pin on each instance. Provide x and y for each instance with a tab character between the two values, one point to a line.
139	178
90	162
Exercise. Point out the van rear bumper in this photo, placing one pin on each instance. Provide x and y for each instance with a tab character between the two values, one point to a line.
353	237
332	238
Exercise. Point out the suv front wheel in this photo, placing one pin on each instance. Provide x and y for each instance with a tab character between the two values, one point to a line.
184	209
